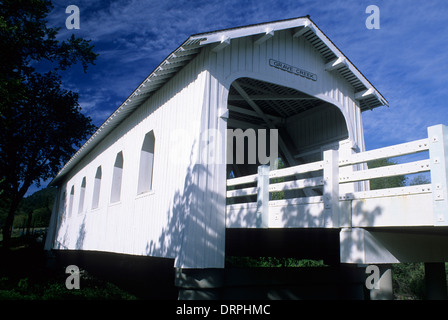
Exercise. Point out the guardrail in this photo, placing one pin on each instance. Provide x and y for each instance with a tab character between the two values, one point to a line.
327	178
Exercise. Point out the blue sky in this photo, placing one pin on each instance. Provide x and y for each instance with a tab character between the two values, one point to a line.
406	59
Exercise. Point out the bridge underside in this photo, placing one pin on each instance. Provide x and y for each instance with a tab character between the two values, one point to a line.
316	244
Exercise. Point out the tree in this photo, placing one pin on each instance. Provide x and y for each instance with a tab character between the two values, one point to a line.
420	179
39	205
41	122
387	182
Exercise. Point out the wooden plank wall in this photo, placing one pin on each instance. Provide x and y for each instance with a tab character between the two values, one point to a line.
183	217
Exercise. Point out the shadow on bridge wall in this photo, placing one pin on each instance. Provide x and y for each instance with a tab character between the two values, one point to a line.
353	246
81	234
194	234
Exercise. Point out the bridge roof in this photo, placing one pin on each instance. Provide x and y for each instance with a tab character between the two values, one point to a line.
367	95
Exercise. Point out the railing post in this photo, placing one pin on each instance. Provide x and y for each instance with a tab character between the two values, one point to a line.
438	154
263	197
331	188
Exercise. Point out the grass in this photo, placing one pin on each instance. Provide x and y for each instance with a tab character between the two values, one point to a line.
24	275
272	262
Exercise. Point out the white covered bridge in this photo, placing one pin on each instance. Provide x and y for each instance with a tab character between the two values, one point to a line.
158	178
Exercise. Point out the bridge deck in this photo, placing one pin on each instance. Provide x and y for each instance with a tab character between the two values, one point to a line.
334	192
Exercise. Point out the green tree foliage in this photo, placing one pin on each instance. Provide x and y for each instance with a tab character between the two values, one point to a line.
271	262
388	182
42	124
409	280
419	179
280	195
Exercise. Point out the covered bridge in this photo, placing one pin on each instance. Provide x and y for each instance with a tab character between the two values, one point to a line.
166	175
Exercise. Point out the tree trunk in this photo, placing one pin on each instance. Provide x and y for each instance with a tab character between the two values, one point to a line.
7	228
28	224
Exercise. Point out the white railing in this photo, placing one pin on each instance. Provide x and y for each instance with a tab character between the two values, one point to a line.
335	174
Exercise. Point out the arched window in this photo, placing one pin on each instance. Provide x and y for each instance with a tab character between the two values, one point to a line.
115	194
70	204
96	188
82	195
146	163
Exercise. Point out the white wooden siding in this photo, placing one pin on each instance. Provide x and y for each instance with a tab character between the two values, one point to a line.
140	224
244	59
183	216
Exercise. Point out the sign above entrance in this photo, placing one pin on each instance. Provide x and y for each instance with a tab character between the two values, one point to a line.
292	69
